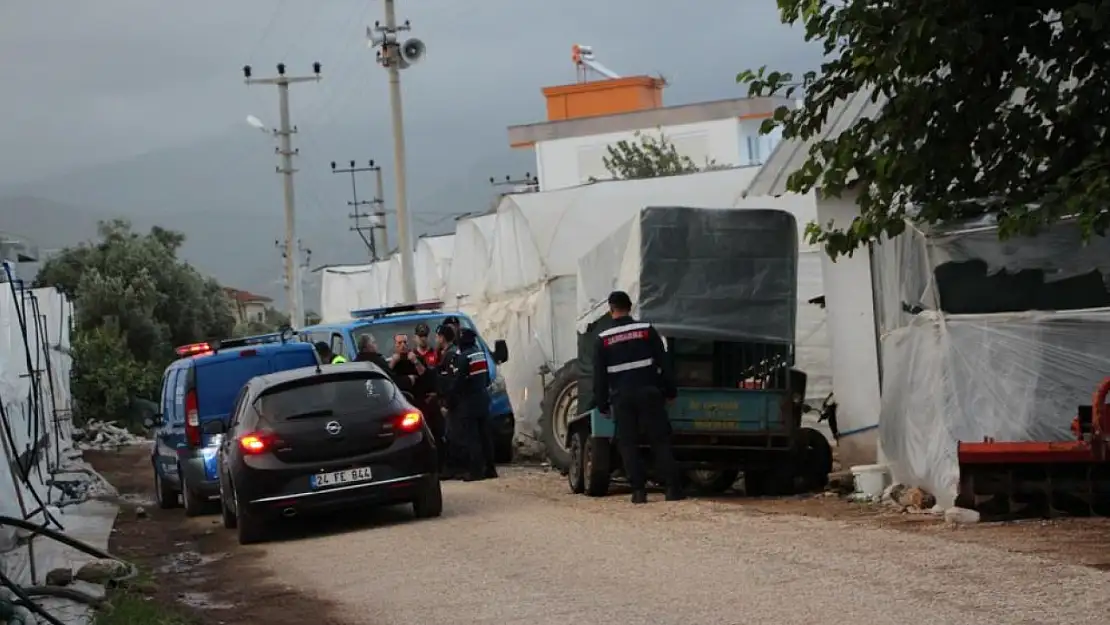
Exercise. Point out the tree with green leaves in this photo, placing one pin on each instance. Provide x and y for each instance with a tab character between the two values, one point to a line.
135	301
986	108
648	157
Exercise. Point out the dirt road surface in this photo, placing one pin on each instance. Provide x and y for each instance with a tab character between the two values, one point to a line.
523	550
520	551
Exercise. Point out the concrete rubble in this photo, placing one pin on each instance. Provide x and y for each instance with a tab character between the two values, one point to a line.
105	436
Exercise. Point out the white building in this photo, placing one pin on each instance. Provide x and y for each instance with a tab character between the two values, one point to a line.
585	118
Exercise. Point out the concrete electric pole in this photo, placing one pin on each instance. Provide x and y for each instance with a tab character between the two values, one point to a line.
285	136
395	56
375	243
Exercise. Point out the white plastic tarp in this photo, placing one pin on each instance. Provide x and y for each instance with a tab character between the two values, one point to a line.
542	235
985	338
433	266
350	287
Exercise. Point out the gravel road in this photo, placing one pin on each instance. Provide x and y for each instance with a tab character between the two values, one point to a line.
522	550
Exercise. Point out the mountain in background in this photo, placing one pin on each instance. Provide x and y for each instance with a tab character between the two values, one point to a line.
232	219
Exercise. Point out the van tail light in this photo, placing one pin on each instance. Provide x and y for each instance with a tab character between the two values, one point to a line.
255	443
192	419
410	422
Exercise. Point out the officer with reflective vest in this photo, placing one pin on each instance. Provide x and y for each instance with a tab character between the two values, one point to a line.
468	397
633	381
326	355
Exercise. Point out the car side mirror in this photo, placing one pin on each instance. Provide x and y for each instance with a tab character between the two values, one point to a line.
500	351
215	427
152	421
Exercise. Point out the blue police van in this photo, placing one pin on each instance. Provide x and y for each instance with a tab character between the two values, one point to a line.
385	323
202	386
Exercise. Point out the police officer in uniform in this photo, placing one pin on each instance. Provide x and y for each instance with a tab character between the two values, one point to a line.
468	396
326	355
633	381
453	457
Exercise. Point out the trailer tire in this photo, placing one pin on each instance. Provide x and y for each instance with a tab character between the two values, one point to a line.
712	482
597	466
815	459
576	472
560	404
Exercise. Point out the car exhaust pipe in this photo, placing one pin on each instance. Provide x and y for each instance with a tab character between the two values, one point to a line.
289	512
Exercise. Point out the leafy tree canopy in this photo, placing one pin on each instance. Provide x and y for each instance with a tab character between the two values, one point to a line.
648	157
997	108
135	302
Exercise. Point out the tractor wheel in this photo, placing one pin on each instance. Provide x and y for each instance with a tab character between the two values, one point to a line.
597	466
560	405
712	482
576	472
815	459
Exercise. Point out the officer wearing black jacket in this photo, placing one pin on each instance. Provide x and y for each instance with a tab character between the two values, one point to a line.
469	396
453	458
633	380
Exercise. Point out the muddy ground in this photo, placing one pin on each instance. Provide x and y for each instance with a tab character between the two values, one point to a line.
194	564
198	566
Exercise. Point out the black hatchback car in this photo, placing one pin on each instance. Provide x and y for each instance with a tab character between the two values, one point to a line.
320	438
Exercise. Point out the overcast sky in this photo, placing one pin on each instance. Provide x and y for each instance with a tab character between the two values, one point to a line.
88	86
88	82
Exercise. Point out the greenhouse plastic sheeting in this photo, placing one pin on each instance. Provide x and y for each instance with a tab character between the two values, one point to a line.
37	448
432	259
351	287
964	357
470	258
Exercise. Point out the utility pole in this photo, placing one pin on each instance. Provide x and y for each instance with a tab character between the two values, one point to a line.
285	135
376	218
298	284
396	56
529	181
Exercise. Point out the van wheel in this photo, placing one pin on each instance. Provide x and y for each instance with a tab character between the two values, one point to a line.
429	503
194	505
164	494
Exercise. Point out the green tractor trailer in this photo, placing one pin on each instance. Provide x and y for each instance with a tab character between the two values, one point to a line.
721	287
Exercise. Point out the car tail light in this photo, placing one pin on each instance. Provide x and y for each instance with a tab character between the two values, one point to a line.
410	421
192	419
252	444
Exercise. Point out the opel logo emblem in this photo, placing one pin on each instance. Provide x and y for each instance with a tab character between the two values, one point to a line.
333	427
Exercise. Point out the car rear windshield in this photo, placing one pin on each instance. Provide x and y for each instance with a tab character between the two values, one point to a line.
326	395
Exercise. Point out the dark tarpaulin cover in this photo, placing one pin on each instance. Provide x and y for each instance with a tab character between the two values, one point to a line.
713	274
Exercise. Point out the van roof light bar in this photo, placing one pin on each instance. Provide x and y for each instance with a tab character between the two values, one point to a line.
376	313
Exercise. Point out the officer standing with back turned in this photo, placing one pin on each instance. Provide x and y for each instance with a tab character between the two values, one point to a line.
469	396
633	381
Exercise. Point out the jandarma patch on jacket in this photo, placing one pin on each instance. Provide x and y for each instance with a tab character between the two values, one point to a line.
625	336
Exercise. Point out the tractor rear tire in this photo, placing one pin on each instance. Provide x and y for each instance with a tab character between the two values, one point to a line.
560	404
597	466
815	459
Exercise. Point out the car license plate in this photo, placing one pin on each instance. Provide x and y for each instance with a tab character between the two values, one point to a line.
340	478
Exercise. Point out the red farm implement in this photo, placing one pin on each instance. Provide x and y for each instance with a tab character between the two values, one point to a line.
1004	480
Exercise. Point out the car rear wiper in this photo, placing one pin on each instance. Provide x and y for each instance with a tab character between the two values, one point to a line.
323	412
